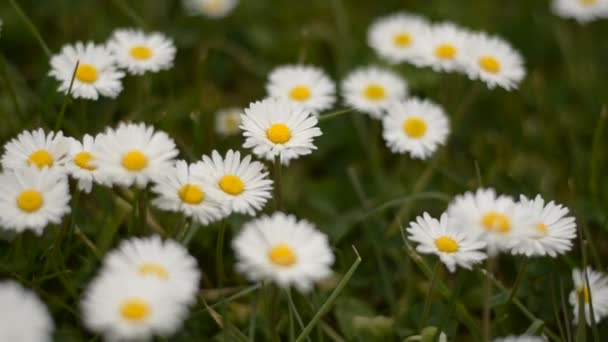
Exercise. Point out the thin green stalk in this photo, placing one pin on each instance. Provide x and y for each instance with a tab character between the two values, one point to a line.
581	330
429	294
582	236
487	308
234	297
328	116
66	99
30	25
595	155
219	253
278	183
143	210
518	279
129	12
555	307
294	309
253	317
10	88
565	309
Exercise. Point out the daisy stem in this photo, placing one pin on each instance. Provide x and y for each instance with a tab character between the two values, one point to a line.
143	209
429	294
518	279
595	150
10	88
564	306
487	306
66	100
219	253
584	242
30	25
333	114
278	183
293	308
129	12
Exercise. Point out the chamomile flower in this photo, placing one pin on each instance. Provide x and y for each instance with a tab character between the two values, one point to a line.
553	231
284	250
81	164
277	127
371	90
520	338
453	245
500	221
141	52
444	50
166	261
583	11
416	127
596	293
398	37
36	149
122	306
240	185
32	198
210	8
96	73
227	121
133	154
183	189
494	61
23	316
306	85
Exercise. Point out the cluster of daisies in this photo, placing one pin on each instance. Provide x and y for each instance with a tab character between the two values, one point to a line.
583	11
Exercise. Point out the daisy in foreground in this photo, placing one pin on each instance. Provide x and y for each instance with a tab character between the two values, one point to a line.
23	317
276	127
596	294
210	8
553	231
583	11
96	74
520	338
415	126
371	90
286	251
240	185
444	50
36	149
454	246
141	52
32	198
133	154
81	164
227	121
306	85
399	37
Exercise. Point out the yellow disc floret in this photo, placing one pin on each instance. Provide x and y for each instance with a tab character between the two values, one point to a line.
134	160
30	200
446	244
40	159
153	269
191	194
135	309
278	133
86	73
282	255
489	64
232	184
414	127
374	92
445	51
496	222
141	52
300	93
83	160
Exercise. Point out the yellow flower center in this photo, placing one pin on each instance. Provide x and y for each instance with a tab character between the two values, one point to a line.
541	228
402	39
134	160
584	290
135	309
30	200
212	6
86	73
374	92
414	127
153	269
141	52
232	122
489	64
446	244
191	194
496	222
587	2
83	160
232	184
445	51
282	255
300	93
40	158
278	133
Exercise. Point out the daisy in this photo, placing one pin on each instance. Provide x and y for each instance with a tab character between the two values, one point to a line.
141	52
23	317
399	37
453	245
284	250
553	231
597	293
36	149
371	90
166	261
32	198
500	221
445	47
415	126
241	185
520	338
493	61
210	8
583	11
133	154
81	165
227	121
184	189
96	74
278	128
306	85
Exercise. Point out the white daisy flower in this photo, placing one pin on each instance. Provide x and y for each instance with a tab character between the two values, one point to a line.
23	316
96	74
499	219
597	292
277	127
416	127
184	189
494	61
444	50
123	306
398	37
520	338
453	245
553	232
36	149
583	11
227	121
81	164
371	90
240	185
284	250
306	85
166	261
210	8
32	198
133	154
141	52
